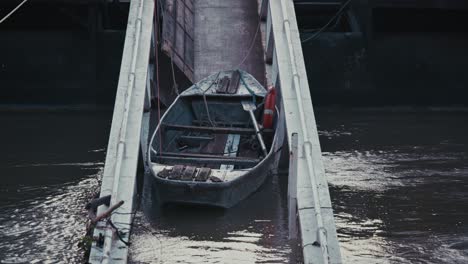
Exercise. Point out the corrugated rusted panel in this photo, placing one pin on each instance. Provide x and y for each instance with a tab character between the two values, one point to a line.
178	34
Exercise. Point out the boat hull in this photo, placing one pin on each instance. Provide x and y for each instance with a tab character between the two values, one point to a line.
222	194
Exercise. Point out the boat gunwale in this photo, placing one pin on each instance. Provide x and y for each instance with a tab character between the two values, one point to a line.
223	184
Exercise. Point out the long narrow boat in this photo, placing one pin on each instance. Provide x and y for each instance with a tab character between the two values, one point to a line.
213	145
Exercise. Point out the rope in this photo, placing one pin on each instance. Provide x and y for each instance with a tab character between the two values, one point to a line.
162	11
13	11
117	232
156	25
338	13
174	82
251	46
206	104
175	86
247	87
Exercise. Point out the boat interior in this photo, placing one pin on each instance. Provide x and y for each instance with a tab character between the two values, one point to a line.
211	131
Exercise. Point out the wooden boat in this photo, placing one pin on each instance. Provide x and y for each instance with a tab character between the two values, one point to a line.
209	148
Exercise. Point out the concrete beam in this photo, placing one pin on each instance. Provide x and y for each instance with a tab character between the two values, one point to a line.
317	225
119	179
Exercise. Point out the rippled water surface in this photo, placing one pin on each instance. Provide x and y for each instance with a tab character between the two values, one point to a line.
255	231
49	165
399	184
398	180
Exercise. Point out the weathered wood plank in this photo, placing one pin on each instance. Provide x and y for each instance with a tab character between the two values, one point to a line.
214	130
209	160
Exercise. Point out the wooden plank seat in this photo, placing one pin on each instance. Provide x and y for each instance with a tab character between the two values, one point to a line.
193	141
221	123
205	159
214	130
195	138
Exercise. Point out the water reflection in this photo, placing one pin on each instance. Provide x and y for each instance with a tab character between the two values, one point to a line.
47	226
399	185
49	168
254	231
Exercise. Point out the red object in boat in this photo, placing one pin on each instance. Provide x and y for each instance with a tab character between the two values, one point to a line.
269	109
